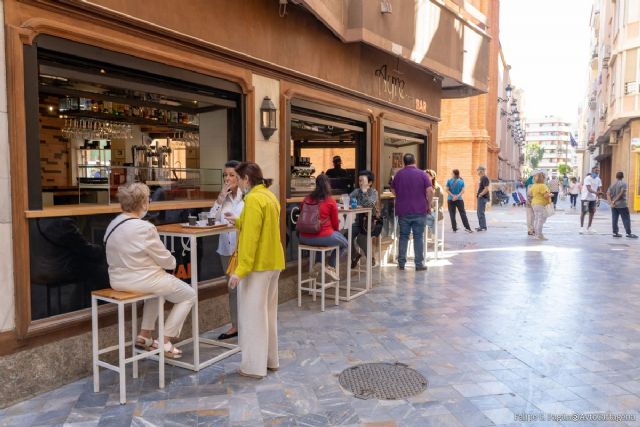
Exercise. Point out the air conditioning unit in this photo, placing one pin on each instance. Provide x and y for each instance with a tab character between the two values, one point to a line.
613	138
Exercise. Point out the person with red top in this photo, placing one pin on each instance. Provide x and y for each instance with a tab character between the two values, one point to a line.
329	234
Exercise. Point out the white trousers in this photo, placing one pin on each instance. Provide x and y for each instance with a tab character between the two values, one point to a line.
539	219
174	290
258	321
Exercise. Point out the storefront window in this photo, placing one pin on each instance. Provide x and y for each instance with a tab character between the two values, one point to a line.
97	120
67	259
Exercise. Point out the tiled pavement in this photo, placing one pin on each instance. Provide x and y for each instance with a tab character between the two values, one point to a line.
503	326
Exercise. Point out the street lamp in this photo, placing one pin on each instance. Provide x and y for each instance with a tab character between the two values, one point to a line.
268	118
514	106
508	90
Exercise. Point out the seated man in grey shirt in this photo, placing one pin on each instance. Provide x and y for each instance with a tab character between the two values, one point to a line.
617	196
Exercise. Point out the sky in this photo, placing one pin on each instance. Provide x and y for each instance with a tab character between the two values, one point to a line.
547	44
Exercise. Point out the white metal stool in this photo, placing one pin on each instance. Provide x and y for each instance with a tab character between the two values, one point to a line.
121	299
312	281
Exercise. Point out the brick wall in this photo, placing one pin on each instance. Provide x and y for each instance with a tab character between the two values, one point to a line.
54	147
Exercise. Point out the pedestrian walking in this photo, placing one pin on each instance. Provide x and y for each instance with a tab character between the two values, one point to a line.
565	185
540	198
527	184
413	190
260	261
554	187
229	200
455	190
591	188
483	198
617	197
574	190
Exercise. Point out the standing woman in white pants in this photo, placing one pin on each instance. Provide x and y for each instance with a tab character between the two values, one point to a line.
260	260
137	261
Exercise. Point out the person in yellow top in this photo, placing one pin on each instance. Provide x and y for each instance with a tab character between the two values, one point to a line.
260	260
540	197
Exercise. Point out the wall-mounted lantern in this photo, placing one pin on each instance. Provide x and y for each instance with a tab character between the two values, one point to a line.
268	118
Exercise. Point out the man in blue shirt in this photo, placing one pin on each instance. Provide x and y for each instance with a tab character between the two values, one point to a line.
455	190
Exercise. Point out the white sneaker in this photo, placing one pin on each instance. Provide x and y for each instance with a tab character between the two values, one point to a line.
332	273
541	237
582	230
591	231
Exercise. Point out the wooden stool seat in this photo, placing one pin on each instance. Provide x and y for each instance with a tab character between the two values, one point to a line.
117	295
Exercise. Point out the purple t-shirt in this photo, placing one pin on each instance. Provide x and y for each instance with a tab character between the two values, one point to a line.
410	185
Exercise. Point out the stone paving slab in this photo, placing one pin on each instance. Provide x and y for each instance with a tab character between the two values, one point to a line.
505	328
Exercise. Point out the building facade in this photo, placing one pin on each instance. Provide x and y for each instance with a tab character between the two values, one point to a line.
553	136
103	92
482	130
613	95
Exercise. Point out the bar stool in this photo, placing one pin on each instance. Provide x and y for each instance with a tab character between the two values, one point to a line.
313	283
121	299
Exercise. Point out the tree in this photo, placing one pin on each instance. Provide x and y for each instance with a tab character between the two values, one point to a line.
564	169
534	154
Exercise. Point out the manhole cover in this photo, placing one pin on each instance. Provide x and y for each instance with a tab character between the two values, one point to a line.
385	381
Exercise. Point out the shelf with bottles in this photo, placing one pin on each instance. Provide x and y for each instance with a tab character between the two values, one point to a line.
148	114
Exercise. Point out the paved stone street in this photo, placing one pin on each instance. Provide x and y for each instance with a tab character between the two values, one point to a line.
503	326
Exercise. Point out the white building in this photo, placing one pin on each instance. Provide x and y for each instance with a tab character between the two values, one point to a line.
554	136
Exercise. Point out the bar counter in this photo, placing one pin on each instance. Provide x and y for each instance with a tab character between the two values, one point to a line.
78	210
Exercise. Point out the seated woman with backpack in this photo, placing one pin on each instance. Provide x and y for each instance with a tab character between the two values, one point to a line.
318	223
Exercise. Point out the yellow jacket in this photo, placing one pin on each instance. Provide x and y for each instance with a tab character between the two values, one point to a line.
259	246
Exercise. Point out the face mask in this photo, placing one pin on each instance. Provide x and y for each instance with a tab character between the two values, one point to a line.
245	191
594	174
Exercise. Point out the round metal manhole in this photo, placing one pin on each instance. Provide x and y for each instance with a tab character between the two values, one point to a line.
387	381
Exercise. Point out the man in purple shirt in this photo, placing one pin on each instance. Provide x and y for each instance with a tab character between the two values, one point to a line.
413	190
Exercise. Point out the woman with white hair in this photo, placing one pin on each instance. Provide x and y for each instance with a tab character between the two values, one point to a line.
137	261
540	198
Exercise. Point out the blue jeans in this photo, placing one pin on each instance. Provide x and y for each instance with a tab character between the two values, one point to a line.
482	220
334	239
411	224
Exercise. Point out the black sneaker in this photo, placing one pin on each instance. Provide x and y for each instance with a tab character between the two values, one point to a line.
632	236
481	229
400	267
468	230
421	268
354	261
455	230
617	235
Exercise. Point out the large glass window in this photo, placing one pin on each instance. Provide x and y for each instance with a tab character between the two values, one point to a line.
103	119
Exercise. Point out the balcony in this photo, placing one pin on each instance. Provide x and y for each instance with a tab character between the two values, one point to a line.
631	88
606	55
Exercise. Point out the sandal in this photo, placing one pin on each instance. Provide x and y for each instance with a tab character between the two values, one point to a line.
170	350
144	343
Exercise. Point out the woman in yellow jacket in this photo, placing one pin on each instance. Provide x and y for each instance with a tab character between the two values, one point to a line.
260	260
540	197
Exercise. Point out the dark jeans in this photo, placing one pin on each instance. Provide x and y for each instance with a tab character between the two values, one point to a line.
573	199
554	198
409	224
358	239
482	220
458	204
626	219
334	239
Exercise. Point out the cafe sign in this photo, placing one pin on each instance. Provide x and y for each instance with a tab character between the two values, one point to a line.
391	87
